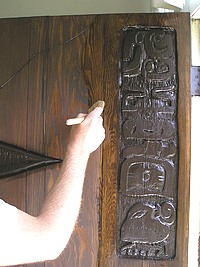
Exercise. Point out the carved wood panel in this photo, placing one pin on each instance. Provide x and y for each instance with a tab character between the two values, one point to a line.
110	231
147	193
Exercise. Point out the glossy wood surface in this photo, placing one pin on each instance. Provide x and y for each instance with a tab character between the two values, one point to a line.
56	68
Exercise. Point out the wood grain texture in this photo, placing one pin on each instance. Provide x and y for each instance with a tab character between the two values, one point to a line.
70	63
67	95
36	106
114	24
13	100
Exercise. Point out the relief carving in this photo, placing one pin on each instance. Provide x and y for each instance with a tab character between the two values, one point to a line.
147	181
146	222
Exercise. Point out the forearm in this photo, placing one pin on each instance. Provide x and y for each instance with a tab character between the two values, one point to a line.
61	207
45	236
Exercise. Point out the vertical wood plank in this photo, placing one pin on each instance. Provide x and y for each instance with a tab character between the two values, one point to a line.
35	120
68	90
14	47
113	26
36	114
93	72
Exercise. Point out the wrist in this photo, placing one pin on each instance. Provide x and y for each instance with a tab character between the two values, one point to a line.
78	150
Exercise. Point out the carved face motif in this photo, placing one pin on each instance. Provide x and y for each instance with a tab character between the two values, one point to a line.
144	176
148	223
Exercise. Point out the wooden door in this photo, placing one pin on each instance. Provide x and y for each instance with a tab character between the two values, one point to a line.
51	69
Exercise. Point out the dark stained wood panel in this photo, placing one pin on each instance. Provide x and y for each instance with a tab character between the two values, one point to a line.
36	114
13	126
147	178
13	113
115	24
60	66
66	70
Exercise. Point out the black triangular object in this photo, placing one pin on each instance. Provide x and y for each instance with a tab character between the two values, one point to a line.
15	160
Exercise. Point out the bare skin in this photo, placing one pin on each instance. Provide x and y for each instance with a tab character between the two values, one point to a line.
44	237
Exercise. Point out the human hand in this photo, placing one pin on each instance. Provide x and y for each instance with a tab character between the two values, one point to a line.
88	135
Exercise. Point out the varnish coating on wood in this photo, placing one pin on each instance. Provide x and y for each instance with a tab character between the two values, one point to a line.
70	63
147	195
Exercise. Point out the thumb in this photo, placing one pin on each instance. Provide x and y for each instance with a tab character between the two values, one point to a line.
81	115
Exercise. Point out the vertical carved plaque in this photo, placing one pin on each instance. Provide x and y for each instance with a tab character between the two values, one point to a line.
147	193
